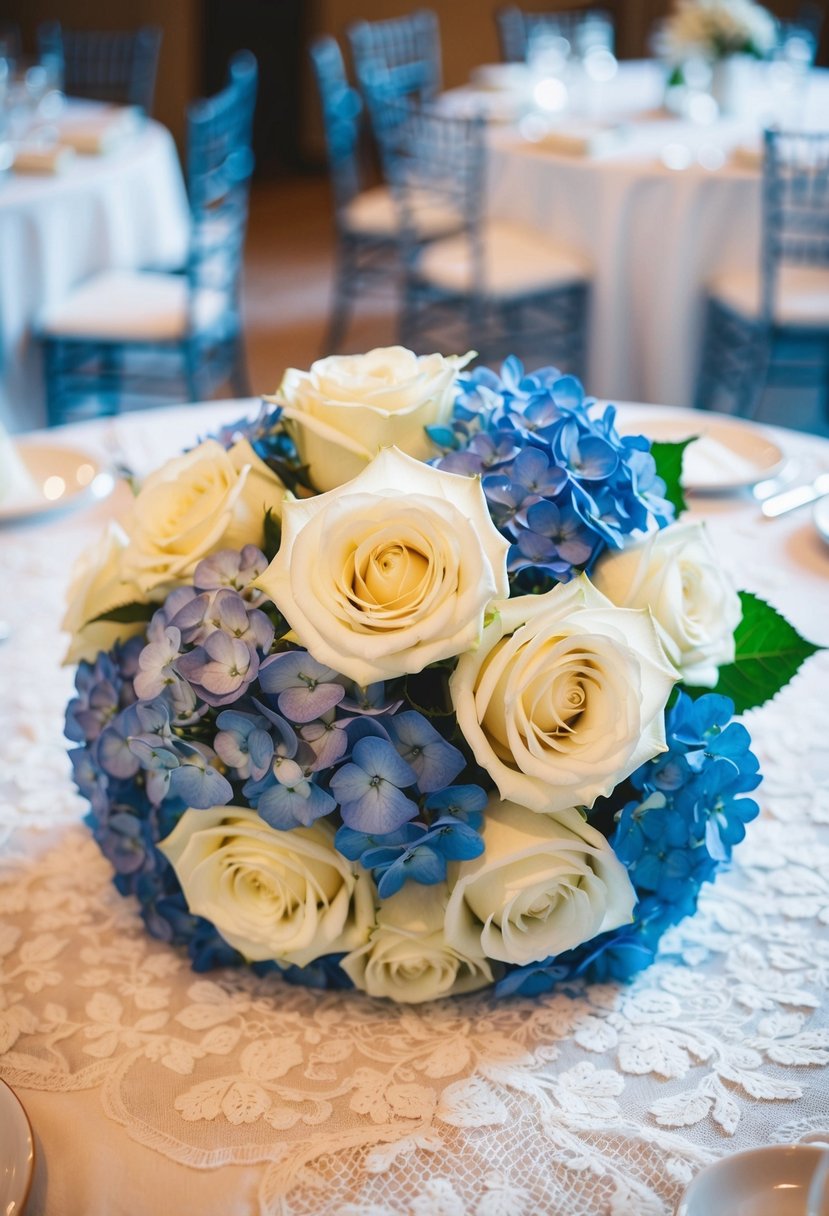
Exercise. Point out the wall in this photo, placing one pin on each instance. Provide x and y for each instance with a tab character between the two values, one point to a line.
179	70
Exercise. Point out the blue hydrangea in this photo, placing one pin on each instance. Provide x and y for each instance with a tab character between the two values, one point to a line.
561	483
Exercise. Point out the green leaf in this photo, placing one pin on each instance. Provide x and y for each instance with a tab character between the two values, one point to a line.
273	535
126	614
668	457
769	651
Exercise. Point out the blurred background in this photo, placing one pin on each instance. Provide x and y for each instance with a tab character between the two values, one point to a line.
290	244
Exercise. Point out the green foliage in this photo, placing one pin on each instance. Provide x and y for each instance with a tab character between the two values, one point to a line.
273	535
668	457
127	614
769	652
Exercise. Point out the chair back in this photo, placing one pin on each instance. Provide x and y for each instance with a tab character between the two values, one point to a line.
10	43
118	66
341	111
402	52
517	29
219	169
795	205
436	163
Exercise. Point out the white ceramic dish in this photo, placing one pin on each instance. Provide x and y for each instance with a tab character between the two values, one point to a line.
773	1181
729	455
17	1153
63	477
820	515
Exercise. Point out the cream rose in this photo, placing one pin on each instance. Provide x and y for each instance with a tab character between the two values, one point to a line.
564	697
391	572
288	896
347	408
676	573
407	957
98	587
544	885
195	504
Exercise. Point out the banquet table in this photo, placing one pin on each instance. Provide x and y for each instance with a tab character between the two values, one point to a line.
151	1088
124	209
655	213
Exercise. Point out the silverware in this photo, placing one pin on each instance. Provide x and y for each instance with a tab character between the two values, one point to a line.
798	496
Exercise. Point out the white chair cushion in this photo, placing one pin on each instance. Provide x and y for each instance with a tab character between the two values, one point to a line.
517	262
801	298
131	306
375	213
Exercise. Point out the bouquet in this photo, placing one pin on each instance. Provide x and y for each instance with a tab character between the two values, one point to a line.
716	29
414	683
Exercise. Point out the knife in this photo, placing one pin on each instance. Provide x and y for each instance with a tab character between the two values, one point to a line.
798	496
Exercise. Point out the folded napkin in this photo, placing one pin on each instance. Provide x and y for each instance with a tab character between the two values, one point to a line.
469	102
710	463
583	139
42	158
17	486
748	155
512	77
100	130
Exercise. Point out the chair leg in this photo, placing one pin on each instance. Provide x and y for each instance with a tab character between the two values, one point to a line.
239	380
708	371
191	372
111	375
52	358
755	376
338	321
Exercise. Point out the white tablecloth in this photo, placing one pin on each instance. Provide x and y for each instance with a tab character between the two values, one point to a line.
152	1089
123	210
652	234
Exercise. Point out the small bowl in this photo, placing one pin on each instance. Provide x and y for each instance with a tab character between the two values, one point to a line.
771	1181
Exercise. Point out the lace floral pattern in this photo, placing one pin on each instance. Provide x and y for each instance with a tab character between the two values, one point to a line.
598	1100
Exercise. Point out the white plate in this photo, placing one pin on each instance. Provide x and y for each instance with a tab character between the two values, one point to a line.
729	455
17	1153
63	477
820	515
773	1181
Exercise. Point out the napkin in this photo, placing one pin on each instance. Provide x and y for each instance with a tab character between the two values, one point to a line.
42	158
748	155
708	462
583	139
17	486
100	130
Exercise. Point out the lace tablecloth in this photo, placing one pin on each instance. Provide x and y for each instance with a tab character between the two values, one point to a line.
153	1089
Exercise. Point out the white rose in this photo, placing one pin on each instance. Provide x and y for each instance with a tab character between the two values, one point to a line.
544	885
390	572
347	408
195	504
564	696
98	587
407	957
288	896
676	573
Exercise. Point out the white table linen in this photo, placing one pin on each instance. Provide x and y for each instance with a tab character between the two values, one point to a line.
123	210
152	1089
666	204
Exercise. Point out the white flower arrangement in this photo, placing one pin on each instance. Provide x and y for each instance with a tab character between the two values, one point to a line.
717	29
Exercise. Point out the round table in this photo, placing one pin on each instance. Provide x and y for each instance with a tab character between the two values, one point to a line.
154	1089
124	210
654	216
